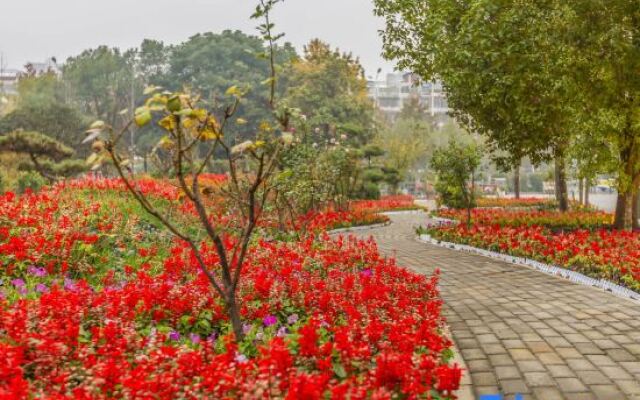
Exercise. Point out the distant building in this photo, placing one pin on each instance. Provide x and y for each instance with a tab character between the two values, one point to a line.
9	77
391	94
38	68
9	81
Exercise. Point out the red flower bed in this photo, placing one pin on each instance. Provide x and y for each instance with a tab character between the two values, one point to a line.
516	218
516	203
386	203
130	315
609	254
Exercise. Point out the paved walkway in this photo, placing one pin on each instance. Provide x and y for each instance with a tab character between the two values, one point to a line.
522	331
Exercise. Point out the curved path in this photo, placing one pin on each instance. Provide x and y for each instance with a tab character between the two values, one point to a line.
522	331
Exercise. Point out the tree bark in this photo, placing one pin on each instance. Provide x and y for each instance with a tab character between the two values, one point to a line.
234	315
516	181
581	190
561	181
623	211
635	211
587	189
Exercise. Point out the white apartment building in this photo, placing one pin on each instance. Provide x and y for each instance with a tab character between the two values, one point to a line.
8	81
390	94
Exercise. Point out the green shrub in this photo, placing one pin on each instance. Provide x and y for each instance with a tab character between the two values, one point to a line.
30	180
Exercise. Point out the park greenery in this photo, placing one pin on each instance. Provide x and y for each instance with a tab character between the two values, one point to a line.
193	260
169	213
547	80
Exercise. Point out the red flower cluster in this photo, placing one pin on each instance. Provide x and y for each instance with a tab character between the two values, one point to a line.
386	203
93	307
608	254
550	218
516	203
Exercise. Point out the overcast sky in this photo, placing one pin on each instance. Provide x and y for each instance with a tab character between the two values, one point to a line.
33	30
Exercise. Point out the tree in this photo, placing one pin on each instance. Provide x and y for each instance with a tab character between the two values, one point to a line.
48	157
209	63
187	120
330	89
455	167
64	123
502	66
41	107
102	82
153	61
605	41
407	141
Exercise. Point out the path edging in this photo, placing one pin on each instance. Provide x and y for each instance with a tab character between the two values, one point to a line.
572	276
358	228
373	226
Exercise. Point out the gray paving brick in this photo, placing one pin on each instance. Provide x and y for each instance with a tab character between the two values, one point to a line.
571	385
609	392
550	393
538	379
510	386
561	371
483	379
593	377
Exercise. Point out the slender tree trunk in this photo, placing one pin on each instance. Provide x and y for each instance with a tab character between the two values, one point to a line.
561	181
623	217
234	315
635	211
587	189
581	190
516	181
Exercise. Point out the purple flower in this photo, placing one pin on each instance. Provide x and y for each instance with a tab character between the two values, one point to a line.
292	319
241	358
175	336
19	283
282	332
367	273
270	320
36	271
246	328
213	337
195	338
41	288
69	284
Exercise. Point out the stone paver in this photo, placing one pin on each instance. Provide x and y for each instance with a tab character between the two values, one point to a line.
522	331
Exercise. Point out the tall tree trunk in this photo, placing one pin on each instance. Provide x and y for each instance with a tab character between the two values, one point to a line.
623	211
234	314
581	190
587	189
635	211
516	181
561	181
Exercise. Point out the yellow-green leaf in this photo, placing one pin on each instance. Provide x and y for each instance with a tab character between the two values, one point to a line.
143	116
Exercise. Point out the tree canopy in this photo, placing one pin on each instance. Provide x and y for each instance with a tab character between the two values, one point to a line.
330	89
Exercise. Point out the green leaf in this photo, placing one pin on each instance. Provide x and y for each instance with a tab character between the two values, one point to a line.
92	158
234	91
143	116
339	370
151	89
97	125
